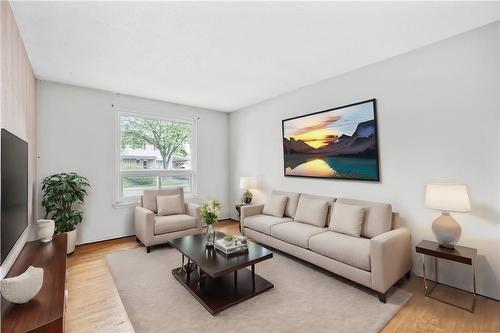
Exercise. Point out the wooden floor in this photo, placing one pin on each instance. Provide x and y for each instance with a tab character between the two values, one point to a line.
95	306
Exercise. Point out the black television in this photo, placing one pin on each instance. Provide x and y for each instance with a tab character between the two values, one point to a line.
14	190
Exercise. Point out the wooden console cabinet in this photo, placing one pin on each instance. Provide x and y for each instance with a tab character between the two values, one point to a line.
45	312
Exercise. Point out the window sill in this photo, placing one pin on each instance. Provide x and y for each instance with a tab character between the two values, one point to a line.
125	204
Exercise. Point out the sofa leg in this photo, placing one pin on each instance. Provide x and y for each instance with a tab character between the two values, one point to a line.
148	249
408	275
382	297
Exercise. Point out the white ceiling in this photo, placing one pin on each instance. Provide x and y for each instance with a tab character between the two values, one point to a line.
227	55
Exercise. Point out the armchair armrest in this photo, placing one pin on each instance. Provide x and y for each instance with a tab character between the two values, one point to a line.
144	225
195	211
390	255
247	211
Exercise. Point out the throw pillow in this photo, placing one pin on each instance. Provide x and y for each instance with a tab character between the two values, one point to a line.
312	211
347	219
275	205
170	204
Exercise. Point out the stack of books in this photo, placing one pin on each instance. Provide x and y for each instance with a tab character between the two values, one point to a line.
234	248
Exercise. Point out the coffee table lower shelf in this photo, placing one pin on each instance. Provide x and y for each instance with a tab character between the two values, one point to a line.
218	294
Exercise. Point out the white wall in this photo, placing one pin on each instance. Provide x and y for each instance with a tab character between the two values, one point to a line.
438	120
76	132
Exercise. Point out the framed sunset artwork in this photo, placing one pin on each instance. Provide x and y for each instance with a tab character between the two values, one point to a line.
339	143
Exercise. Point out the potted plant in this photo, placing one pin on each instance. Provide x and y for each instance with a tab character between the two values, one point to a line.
210	213
60	192
228	240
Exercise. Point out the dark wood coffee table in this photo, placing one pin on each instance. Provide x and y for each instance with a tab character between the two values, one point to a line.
218	281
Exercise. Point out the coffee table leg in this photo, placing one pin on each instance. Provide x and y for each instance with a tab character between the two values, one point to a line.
182	264
235	278
253	277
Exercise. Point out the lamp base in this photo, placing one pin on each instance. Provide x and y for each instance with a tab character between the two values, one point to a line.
447	230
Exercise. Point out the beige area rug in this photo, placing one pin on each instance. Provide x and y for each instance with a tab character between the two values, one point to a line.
303	299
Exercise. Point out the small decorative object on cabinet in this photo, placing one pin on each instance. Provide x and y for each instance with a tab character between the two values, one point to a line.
210	213
22	288
45	230
247	183
60	192
447	198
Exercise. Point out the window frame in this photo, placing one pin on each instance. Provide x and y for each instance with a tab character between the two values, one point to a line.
119	174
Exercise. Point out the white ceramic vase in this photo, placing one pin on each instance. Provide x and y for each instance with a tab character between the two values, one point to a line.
22	288
45	230
71	241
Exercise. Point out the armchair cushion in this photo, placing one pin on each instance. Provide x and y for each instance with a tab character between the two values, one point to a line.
275	205
170	204
149	196
263	223
172	223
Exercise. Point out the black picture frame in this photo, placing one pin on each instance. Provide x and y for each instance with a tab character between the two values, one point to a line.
374	180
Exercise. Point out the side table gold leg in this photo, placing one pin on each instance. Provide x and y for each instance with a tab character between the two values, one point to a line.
423	273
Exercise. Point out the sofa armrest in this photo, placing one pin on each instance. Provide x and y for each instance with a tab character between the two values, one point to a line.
247	211
390	255
144	225
195	211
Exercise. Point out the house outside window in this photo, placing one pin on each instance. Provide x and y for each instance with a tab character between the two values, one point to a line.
154	152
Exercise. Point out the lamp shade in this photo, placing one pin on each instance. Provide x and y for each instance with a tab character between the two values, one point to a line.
447	197
247	183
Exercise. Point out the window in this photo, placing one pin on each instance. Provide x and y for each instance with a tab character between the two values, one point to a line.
154	153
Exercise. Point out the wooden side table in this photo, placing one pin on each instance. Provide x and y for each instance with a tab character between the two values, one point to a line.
460	254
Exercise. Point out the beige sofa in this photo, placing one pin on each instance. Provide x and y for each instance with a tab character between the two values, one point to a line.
377	259
152	229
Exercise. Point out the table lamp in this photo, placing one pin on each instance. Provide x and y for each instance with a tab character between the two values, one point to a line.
247	183
447	198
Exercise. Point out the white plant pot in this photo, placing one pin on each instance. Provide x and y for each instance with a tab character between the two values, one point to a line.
22	288
71	241
45	230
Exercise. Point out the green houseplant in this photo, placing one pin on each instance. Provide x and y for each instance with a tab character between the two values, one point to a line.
60	193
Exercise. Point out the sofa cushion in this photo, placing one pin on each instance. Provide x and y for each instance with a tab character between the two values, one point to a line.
169	204
347	219
275	205
172	223
295	232
149	196
263	223
378	216
291	203
312	211
354	251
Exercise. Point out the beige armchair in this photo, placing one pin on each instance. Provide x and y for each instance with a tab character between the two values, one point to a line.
152	229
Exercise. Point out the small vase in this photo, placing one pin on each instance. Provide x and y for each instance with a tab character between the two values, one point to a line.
45	230
210	236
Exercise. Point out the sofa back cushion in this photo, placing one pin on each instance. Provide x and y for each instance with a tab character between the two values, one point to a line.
291	203
378	216
149	197
169	204
312	210
275	205
347	219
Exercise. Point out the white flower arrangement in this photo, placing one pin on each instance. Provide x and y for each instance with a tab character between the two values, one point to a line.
210	211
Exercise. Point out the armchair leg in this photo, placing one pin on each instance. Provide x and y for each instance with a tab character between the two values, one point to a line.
148	249
137	240
382	297
408	275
